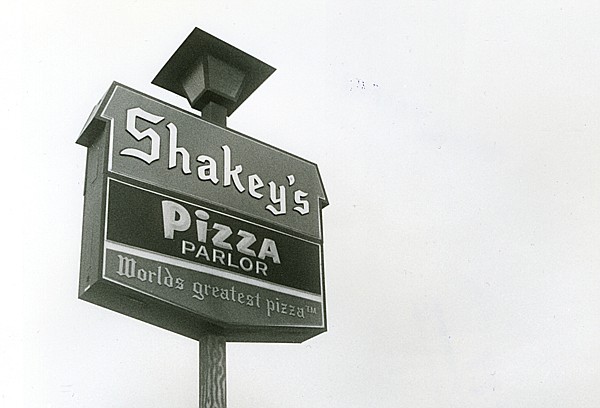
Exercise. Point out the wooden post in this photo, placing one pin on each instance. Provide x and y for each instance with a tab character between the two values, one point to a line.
213	381
235	76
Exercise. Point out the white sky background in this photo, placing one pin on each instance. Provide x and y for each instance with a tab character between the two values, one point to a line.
459	144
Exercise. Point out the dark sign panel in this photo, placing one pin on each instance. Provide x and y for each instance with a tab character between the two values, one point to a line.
196	228
186	254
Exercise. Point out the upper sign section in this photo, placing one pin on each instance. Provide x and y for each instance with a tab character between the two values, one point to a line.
170	148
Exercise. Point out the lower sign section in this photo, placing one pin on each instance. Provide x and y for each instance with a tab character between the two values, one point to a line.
159	223
214	294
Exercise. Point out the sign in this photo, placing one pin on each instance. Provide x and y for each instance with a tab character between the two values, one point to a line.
173	149
194	227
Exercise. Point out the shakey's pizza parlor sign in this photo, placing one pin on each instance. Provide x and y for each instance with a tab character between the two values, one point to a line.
192	226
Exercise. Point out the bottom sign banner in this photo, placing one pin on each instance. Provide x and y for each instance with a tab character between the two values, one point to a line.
208	291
